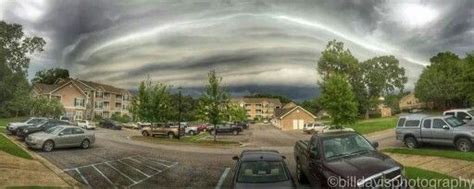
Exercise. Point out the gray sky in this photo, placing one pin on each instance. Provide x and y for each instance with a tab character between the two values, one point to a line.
255	45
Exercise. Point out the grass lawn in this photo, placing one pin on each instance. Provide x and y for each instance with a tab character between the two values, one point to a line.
9	147
374	125
413	173
5	121
200	140
452	154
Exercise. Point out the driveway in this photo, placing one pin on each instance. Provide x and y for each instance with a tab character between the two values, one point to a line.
116	160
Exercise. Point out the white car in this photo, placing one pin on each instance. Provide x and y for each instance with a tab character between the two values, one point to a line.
465	115
191	130
85	124
132	125
314	127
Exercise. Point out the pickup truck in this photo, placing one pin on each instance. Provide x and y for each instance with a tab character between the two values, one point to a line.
226	128
162	129
465	115
417	129
346	157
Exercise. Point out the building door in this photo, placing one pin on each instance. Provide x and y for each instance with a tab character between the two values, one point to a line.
295	124
300	124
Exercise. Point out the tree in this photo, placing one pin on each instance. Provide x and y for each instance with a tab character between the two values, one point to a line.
20	104
382	75
440	81
214	101
14	61
312	105
337	98
235	113
50	76
153	102
45	107
188	107
467	80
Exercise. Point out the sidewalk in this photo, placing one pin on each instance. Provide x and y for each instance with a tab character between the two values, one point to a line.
17	171
452	167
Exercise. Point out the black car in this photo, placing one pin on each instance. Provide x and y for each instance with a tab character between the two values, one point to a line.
262	169
110	124
25	131
244	125
226	128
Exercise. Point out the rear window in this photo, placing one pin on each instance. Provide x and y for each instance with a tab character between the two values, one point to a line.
262	172
449	113
412	123
401	122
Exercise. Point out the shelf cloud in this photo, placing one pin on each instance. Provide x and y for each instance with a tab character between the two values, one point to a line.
255	45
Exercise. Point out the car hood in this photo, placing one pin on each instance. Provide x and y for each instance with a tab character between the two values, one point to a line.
361	166
18	125
285	184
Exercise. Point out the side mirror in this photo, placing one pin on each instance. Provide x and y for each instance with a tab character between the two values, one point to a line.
235	158
375	144
445	127
61	134
468	118
284	157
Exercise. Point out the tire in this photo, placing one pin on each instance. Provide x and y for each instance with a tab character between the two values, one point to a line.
170	135
48	146
300	175
192	133
85	144
411	142
464	145
213	132
235	132
145	133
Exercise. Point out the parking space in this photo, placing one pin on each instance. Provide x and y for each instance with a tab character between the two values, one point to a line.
125	172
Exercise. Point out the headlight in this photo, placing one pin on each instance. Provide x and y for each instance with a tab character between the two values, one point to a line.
26	130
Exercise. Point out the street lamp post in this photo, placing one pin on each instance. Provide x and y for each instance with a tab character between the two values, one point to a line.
179	113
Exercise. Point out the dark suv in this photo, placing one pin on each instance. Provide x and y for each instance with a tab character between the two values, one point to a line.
226	128
262	169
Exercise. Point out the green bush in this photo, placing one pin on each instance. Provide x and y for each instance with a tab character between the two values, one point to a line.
120	118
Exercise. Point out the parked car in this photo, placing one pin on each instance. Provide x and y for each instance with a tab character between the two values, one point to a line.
261	169
162	129
202	128
60	137
67	119
344	156
417	129
191	130
311	128
25	131
226	128
131	125
465	115
13	127
244	125
86	124
143	124
110	124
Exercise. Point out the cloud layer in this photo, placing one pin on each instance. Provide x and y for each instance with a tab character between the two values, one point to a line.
254	45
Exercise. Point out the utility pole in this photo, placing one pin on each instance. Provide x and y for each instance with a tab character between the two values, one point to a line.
179	113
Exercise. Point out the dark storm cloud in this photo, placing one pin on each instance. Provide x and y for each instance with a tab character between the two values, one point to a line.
255	45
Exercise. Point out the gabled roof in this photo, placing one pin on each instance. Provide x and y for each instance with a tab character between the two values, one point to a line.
81	84
257	100
41	88
280	113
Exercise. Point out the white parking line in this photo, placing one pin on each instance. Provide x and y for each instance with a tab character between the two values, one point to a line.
83	178
222	179
106	178
176	163
123	174
126	164
136	161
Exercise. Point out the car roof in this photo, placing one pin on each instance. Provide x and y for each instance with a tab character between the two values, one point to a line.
265	155
422	116
335	133
459	109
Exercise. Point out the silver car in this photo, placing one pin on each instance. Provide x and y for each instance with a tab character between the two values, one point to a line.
61	137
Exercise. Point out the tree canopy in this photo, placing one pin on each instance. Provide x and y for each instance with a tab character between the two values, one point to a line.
50	76
337	98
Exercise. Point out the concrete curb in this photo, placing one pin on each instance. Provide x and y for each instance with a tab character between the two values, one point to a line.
68	179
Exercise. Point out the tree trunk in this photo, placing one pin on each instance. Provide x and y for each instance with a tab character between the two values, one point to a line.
215	133
367	114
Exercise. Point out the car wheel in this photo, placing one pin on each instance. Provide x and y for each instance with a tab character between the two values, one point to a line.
213	132
411	142
235	132
85	144
192	133
170	135
464	145
145	133
300	175
48	146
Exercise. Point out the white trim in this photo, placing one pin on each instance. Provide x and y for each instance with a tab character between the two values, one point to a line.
296	107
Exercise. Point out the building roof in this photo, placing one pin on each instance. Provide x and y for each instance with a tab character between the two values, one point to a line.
256	100
282	112
81	84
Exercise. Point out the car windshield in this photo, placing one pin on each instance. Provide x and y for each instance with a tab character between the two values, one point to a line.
36	121
53	130
471	112
345	146
262	172
454	122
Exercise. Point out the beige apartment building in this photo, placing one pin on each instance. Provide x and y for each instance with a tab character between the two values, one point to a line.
260	108
85	99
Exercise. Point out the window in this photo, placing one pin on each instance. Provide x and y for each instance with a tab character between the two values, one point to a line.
462	115
449	113
99	94
438	124
77	131
258	105
412	123
99	104
427	123
401	122
262	172
79	102
67	131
